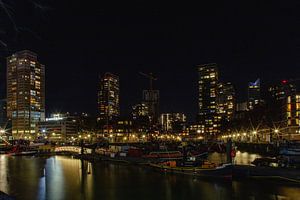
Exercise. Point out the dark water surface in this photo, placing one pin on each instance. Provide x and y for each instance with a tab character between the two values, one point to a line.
60	177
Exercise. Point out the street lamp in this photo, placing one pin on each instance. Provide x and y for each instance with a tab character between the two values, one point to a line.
276	131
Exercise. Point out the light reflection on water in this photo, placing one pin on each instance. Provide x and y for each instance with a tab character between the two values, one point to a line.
60	177
241	158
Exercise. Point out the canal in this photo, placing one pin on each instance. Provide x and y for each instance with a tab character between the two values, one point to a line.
60	177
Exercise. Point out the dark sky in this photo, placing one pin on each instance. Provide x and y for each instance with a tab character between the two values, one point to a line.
78	40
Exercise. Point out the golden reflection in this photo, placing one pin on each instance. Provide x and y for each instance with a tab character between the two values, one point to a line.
3	174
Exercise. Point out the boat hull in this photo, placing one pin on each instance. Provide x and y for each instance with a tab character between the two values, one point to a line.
286	174
224	171
25	153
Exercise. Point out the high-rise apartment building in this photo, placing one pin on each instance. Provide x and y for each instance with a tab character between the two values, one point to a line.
108	97
254	94
208	116
25	93
226	100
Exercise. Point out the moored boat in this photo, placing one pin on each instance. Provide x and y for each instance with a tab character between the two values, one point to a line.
205	170
22	153
164	155
290	151
263	172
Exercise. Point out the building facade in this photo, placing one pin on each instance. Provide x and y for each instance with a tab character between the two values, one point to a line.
25	93
108	97
293	110
3	113
254	97
59	127
208	116
151	99
173	122
140	110
279	94
226	100
282	90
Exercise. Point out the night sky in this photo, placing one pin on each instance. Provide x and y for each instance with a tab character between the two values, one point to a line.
79	40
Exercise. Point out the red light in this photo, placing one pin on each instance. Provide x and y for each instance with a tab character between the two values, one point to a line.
284	81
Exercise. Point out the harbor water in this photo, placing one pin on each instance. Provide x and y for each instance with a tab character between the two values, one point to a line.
62	177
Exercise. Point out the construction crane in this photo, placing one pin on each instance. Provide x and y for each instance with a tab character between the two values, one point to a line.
151	78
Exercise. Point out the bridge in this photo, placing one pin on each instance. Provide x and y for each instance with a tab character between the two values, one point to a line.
72	149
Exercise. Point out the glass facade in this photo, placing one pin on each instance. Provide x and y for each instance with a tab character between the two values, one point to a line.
108	97
25	93
208	116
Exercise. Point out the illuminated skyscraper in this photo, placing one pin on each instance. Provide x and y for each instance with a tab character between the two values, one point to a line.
226	100
254	94
208	116
108	97
25	93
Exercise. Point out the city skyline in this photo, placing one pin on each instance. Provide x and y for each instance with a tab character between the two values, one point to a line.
244	46
137	100
192	116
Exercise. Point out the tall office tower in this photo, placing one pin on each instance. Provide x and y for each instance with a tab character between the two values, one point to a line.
25	93
254	94
226	100
108	98
208	116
